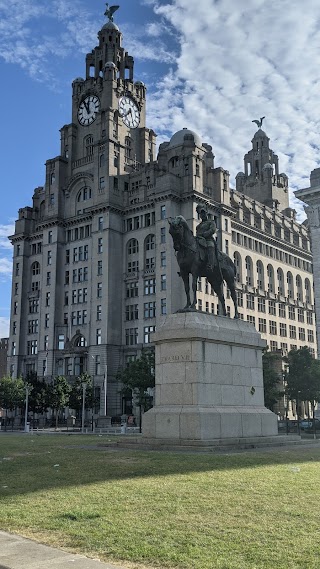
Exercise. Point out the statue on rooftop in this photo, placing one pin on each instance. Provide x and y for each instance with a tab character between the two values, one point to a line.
259	122
110	11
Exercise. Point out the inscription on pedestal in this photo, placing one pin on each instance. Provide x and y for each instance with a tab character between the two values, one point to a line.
176	358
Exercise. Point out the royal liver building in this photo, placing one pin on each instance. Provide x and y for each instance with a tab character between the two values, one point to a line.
94	270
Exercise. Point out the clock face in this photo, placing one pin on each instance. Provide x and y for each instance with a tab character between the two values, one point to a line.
129	112
88	110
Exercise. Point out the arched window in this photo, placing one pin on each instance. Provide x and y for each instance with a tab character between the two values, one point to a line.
84	194
308	291
280	282
132	256
149	242
81	342
299	288
260	275
238	264
102	160
133	247
249	271
270	274
35	269
290	285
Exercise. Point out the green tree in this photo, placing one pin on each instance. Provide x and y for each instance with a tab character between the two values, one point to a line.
138	377
59	394
76	394
303	377
38	394
12	394
271	380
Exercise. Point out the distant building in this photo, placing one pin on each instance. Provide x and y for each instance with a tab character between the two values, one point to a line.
94	270
4	345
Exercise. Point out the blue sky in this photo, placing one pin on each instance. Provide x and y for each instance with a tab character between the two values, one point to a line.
210	65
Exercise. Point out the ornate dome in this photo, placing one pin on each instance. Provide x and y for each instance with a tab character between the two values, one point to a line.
267	166
78	80
260	134
240	175
182	136
140	84
110	26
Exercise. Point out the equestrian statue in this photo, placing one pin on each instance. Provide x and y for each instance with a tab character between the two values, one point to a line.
199	256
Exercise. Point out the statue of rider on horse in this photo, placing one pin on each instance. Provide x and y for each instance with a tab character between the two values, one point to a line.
199	256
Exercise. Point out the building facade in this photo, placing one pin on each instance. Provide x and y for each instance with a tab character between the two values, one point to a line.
94	270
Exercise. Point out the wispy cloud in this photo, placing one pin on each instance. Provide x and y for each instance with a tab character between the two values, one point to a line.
238	63
4	327
5	231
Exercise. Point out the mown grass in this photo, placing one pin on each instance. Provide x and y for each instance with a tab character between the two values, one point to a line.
250	510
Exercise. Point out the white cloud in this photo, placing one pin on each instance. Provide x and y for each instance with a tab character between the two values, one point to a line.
5	231
4	327
5	266
239	62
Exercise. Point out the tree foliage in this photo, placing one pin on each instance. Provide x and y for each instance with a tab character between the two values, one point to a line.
38	394
76	394
138	377
59	394
303	376
271	379
12	393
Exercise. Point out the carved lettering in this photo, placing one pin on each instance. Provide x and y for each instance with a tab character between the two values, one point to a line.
175	358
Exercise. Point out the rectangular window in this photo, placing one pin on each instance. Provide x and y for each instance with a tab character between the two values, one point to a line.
100	223
163	282
162	235
147	331
283	329
250	301
200	304
100	245
98	336
149	310
163	212
273	345
282	310
239	298
33	306
272	307
49	258
163	259
251	320
33	326
309	317
310	336
15	308
13	348
292	332
46	322
132	312
272	327
49	236
131	336
261	304
292	312
98	365
132	290
75	254
99	290
67	256
301	315
14	328
149	286
302	334
17	269
99	312
16	289
164	306
99	268
102	183
262	325
132	267
32	347
61	342
48	298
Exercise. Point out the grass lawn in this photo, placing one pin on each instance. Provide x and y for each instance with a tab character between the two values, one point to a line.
249	510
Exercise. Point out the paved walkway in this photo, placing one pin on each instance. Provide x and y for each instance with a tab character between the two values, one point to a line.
19	553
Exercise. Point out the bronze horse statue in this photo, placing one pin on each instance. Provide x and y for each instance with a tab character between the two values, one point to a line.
191	261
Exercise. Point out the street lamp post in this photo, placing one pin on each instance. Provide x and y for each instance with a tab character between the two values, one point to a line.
84	385
26	430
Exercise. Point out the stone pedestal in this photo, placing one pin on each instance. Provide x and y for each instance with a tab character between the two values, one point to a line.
209	382
103	422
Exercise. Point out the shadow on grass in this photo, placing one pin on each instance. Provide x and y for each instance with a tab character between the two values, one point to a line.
43	463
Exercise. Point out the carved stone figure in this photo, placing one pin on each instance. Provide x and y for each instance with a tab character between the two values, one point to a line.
259	122
216	267
110	11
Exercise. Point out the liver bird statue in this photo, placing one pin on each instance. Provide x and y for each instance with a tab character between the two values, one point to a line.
110	11
259	122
